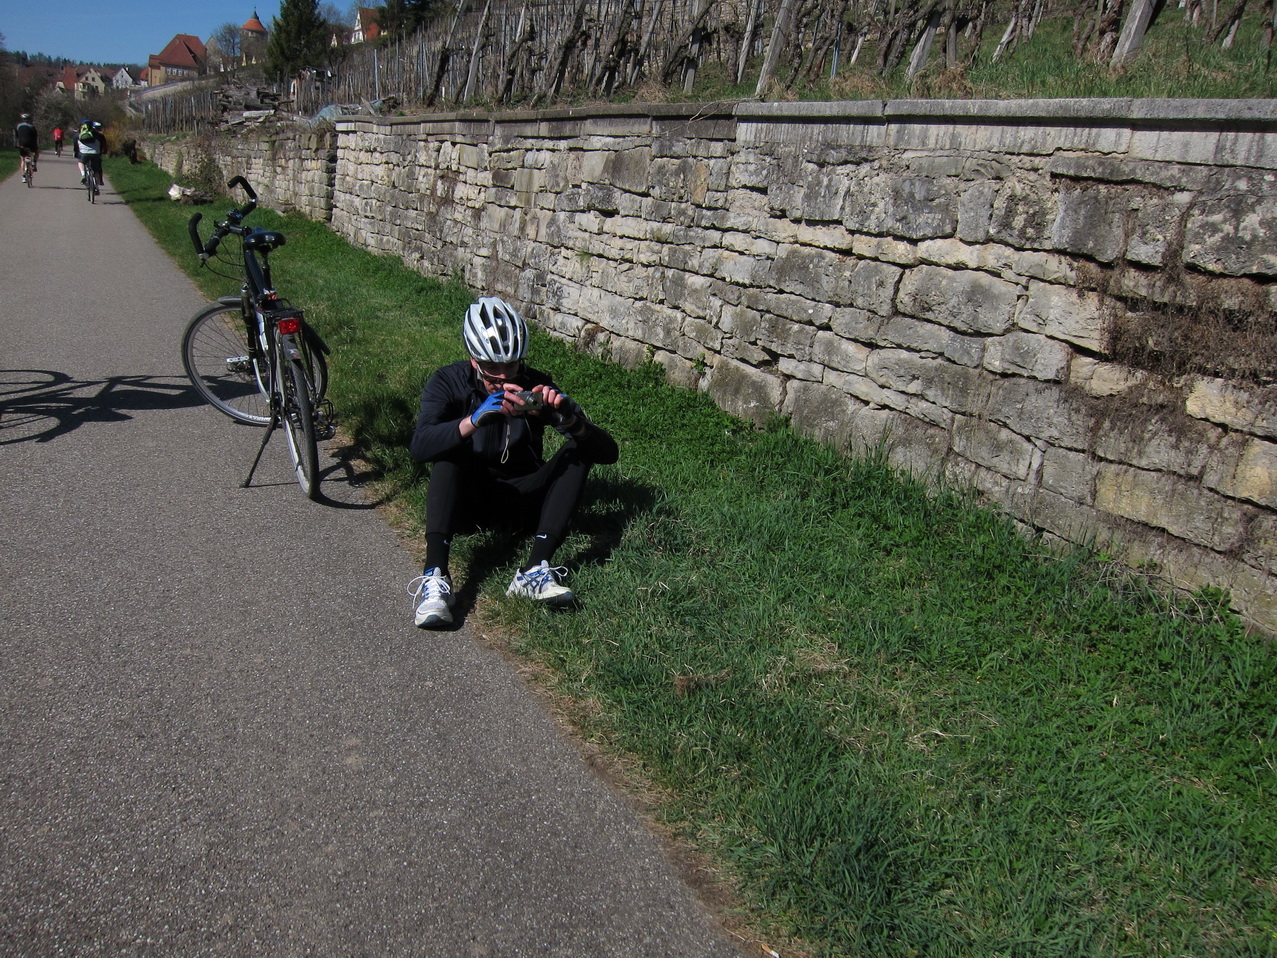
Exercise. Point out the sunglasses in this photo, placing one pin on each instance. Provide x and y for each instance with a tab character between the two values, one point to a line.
499	372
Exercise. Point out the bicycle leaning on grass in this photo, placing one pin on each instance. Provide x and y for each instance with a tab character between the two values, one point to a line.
254	356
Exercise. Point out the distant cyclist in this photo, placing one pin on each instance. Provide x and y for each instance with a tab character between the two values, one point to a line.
27	139
90	144
57	140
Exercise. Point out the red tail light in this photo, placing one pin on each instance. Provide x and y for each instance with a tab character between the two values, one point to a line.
290	326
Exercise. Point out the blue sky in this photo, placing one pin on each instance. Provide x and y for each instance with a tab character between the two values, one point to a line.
118	31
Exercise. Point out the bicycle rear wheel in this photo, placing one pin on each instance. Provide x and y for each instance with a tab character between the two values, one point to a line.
298	413
224	367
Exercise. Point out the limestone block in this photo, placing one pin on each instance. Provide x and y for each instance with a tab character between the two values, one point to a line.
885	248
794	309
798	369
822	412
683	180
955	254
1164	443
1072	521
1068	314
975	212
736	267
1091	222
748	243
1232	234
628	352
1024	215
1027	354
775	334
1097	378
703	334
1041	410
744	391
822	198
1183	509
842	354
627	169
1251	409
828	277
942	385
858	324
914	448
687	291
1069	474
753	171
912	207
1260	549
993	447
1157	223
679	372
1250	475
965	300
921	336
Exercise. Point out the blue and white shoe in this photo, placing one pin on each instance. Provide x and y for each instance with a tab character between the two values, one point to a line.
542	585
432	595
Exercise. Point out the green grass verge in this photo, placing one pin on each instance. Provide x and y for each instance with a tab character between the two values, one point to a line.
895	724
8	162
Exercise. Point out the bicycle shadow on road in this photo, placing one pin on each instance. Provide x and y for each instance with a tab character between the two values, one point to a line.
612	504
39	405
343	481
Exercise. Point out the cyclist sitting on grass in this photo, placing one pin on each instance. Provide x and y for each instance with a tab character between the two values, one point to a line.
90	144
27	139
485	446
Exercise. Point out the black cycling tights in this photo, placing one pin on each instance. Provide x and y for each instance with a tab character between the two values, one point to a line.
463	495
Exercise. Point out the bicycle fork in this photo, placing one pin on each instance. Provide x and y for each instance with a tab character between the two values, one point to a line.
288	351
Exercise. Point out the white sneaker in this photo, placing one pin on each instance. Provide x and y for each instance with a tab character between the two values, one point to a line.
541	584
433	596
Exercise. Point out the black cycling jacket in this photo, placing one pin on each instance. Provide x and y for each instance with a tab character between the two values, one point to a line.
511	447
24	135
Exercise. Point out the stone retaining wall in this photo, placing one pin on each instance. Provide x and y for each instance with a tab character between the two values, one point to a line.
289	169
1067	305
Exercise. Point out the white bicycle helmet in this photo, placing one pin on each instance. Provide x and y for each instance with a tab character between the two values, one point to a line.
494	332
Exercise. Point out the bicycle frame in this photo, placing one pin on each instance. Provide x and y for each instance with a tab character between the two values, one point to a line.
283	353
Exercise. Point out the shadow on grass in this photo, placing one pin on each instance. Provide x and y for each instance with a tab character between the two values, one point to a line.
612	503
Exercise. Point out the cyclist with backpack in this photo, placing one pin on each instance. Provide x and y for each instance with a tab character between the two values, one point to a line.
27	139
90	144
481	426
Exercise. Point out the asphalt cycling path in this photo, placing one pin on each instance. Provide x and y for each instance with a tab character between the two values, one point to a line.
220	733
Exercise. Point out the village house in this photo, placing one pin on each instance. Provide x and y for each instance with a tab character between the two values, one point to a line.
182	59
367	24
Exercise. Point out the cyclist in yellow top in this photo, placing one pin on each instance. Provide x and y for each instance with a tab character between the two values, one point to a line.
90	144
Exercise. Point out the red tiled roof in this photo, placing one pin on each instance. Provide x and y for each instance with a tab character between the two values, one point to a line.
370	21
254	25
182	51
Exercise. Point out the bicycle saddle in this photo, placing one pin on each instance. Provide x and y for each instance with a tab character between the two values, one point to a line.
264	239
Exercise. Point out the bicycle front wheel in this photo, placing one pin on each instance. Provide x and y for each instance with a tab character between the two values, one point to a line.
298	413
225	367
